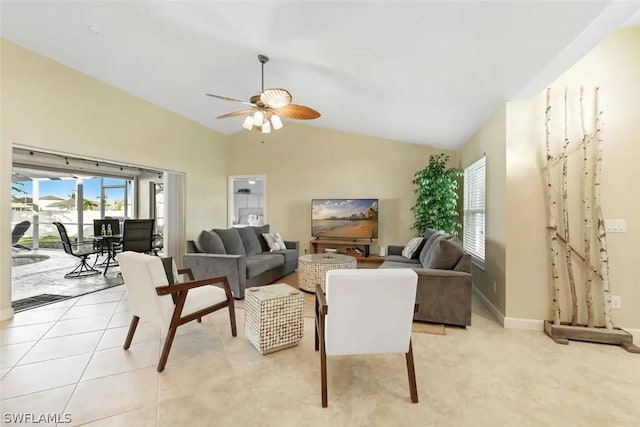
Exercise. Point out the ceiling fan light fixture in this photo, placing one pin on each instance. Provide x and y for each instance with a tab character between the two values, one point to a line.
258	117
248	123
276	122
266	127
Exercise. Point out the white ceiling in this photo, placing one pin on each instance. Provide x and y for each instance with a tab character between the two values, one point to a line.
422	72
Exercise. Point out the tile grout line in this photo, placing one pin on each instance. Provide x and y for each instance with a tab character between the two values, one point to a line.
37	341
75	387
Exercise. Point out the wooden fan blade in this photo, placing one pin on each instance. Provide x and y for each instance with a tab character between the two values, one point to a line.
235	113
231	99
299	112
276	98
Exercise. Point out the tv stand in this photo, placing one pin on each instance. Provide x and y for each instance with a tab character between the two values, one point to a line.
337	242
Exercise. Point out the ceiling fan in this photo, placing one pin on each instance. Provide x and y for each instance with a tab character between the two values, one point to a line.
267	107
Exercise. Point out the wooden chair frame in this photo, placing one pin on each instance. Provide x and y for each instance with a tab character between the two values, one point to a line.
321	311
182	289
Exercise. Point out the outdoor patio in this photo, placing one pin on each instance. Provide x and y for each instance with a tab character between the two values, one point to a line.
46	276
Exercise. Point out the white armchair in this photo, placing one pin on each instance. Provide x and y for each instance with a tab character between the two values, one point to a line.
149	294
366	311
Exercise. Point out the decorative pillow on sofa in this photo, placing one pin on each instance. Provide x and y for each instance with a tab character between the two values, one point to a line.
232	241
412	247
275	242
209	242
427	248
445	255
249	240
259	232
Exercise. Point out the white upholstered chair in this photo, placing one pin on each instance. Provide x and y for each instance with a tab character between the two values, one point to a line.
150	297
366	311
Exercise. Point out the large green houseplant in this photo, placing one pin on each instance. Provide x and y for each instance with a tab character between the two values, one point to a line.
437	196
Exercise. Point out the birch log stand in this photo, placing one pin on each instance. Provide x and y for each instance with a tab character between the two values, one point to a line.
559	238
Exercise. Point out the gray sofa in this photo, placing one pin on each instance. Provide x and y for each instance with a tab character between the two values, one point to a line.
444	278
242	255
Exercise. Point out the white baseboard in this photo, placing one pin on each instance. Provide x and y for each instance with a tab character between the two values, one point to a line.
6	313
528	324
492	308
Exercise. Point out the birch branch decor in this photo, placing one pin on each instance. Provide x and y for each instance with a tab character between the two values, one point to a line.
553	227
586	206
565	218
602	233
593	270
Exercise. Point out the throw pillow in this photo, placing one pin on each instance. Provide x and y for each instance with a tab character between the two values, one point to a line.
232	241
412	247
428	246
249	240
259	232
445	255
209	242
275	242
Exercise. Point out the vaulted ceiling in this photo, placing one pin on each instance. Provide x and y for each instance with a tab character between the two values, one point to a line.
422	72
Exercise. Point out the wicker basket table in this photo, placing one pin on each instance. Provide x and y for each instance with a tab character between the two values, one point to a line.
273	317
312	269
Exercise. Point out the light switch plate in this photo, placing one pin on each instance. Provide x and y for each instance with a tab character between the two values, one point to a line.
616	301
615	225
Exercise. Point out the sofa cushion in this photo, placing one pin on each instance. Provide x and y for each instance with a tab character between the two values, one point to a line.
288	254
249	240
425	253
232	241
445	255
412	247
259	232
400	258
258	264
209	242
430	232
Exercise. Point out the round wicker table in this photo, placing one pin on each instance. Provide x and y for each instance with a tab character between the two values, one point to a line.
312	269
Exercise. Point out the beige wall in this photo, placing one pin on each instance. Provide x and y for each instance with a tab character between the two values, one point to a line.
305	162
51	106
490	140
614	66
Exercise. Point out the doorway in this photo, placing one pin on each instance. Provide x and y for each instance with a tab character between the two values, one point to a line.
247	200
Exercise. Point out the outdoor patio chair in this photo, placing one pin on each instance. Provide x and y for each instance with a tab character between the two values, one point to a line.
138	235
80	250
366	312
17	233
149	291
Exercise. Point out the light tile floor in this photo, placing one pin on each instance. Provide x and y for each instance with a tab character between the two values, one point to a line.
67	358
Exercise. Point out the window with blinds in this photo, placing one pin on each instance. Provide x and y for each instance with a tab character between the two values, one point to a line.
474	209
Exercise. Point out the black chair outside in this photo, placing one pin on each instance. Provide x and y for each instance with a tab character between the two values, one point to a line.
80	250
106	238
17	233
138	235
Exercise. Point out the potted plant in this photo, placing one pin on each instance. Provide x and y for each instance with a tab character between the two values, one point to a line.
437	196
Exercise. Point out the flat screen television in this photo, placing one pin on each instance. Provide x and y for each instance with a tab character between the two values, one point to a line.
344	218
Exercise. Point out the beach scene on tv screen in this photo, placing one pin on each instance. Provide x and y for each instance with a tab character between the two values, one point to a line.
342	218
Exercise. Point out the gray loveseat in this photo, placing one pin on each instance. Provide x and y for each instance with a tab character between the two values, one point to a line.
242	255
444	278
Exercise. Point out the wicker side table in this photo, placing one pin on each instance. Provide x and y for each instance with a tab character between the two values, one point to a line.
312	269
273	317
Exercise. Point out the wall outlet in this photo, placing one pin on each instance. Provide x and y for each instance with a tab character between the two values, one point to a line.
616	301
495	287
615	225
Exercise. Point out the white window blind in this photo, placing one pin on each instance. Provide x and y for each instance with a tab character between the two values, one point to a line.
474	209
